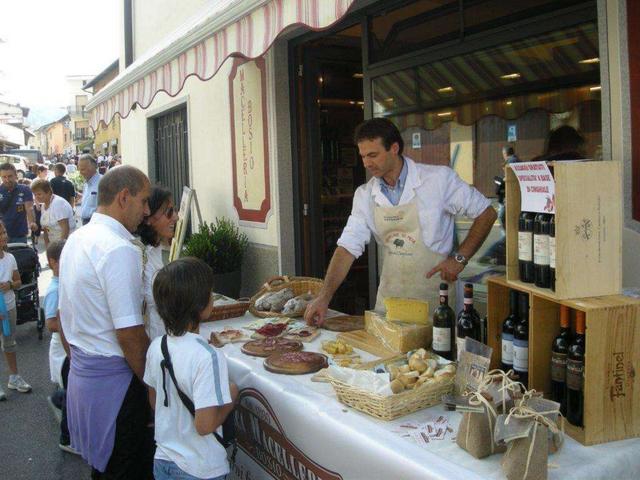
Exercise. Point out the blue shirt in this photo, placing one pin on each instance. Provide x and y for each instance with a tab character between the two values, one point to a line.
394	194
51	299
90	197
15	214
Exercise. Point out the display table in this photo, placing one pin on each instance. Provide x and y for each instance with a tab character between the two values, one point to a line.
292	428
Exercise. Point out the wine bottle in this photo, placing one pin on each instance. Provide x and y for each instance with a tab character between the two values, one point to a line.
559	349
507	332
552	252
521	340
541	250
525	246
444	322
575	373
466	325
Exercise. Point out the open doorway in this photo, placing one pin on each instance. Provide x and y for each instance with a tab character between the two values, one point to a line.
329	105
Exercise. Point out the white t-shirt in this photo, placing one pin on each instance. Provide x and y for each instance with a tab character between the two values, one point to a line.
201	373
8	265
59	209
100	285
155	326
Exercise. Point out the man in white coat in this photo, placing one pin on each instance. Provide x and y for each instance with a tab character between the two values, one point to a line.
410	210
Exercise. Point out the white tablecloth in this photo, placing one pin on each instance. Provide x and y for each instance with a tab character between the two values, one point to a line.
299	426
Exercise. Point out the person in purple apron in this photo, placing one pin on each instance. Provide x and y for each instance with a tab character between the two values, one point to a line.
410	210
101	296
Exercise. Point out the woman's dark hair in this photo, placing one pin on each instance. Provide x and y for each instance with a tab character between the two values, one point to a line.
182	290
159	196
565	143
379	128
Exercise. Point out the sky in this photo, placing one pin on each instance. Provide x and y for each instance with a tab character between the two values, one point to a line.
42	41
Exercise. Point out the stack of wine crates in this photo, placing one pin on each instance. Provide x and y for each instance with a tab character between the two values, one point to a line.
588	278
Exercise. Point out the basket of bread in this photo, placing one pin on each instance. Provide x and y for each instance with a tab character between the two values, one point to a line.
417	380
284	296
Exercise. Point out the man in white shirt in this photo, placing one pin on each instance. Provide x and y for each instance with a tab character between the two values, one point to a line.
410	210
88	168
101	295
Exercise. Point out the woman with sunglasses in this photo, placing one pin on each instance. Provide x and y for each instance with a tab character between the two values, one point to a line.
156	233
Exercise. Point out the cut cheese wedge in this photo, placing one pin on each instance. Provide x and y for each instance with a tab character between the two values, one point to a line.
407	310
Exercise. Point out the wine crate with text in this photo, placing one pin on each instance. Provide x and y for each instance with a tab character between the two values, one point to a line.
612	358
588	228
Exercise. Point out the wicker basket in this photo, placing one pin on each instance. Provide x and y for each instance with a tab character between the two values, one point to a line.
392	406
230	310
299	285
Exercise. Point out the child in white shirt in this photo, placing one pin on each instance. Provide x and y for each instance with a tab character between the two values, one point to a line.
186	447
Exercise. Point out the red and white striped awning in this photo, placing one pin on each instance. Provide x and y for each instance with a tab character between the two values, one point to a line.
200	47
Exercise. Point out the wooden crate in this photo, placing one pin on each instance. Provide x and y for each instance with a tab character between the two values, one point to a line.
611	386
588	230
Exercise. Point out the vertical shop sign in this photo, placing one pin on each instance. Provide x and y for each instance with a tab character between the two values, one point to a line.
249	142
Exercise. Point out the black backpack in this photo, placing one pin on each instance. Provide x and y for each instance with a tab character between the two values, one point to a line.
228	438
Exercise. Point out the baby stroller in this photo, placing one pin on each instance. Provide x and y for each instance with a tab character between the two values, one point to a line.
27	296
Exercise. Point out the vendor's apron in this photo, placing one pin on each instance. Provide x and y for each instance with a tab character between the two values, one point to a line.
406	259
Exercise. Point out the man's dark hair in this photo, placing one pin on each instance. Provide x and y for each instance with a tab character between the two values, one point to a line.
567	141
159	197
60	168
379	128
54	250
116	180
182	290
41	168
8	166
89	158
508	150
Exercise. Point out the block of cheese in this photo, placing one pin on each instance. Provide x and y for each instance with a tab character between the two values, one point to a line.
407	310
397	336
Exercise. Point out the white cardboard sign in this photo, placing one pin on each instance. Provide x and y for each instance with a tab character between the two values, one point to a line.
537	187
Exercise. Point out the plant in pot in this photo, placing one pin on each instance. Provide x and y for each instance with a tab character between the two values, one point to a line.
222	246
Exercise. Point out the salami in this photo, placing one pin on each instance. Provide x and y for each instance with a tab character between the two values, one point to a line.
268	346
296	363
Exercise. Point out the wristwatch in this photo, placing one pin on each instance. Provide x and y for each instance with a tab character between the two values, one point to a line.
458	257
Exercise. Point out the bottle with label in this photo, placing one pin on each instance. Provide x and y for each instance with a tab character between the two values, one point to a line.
521	341
508	327
541	250
552	252
525	246
444	322
575	373
466	325
559	349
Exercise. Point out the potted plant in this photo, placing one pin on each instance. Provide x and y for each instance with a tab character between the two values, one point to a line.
222	246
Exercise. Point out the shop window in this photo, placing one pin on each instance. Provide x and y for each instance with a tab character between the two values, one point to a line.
171	151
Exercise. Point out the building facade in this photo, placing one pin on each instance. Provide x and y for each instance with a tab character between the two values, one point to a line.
106	138
81	133
512	74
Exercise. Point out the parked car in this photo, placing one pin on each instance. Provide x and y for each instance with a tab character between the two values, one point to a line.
34	156
21	163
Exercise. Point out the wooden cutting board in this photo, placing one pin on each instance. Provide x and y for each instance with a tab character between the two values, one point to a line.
344	323
276	364
367	342
265	347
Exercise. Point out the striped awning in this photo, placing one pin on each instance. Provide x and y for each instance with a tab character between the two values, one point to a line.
199	47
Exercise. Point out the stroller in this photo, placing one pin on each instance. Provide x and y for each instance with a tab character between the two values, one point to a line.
27	296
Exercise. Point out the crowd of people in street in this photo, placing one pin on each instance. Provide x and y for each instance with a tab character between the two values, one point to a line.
116	309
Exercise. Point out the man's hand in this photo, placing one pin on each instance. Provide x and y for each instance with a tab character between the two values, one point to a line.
33	226
449	270
5	286
316	311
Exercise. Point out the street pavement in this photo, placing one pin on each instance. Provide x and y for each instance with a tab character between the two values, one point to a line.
29	430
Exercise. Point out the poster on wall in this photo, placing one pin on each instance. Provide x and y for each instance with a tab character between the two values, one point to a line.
249	142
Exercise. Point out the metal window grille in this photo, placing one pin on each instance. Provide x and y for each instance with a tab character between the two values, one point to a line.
171	152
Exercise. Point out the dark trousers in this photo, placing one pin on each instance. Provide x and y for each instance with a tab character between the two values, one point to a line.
133	449
65	439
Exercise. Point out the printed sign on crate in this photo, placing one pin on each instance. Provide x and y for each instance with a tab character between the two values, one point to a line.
537	187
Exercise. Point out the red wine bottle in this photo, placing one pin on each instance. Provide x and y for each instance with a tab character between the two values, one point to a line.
559	350
575	373
525	246
444	324
467	324
508	326
552	252
542	272
521	341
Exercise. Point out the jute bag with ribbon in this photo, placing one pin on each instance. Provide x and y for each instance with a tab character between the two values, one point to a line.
476	430
526	430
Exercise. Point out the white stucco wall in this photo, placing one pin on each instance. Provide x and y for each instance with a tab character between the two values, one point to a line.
210	164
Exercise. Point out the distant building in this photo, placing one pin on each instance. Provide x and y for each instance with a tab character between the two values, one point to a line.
106	137
59	137
81	135
13	132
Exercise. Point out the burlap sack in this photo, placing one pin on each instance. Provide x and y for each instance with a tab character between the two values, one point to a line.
475	434
526	458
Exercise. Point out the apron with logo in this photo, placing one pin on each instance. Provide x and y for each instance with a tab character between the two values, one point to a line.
406	259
